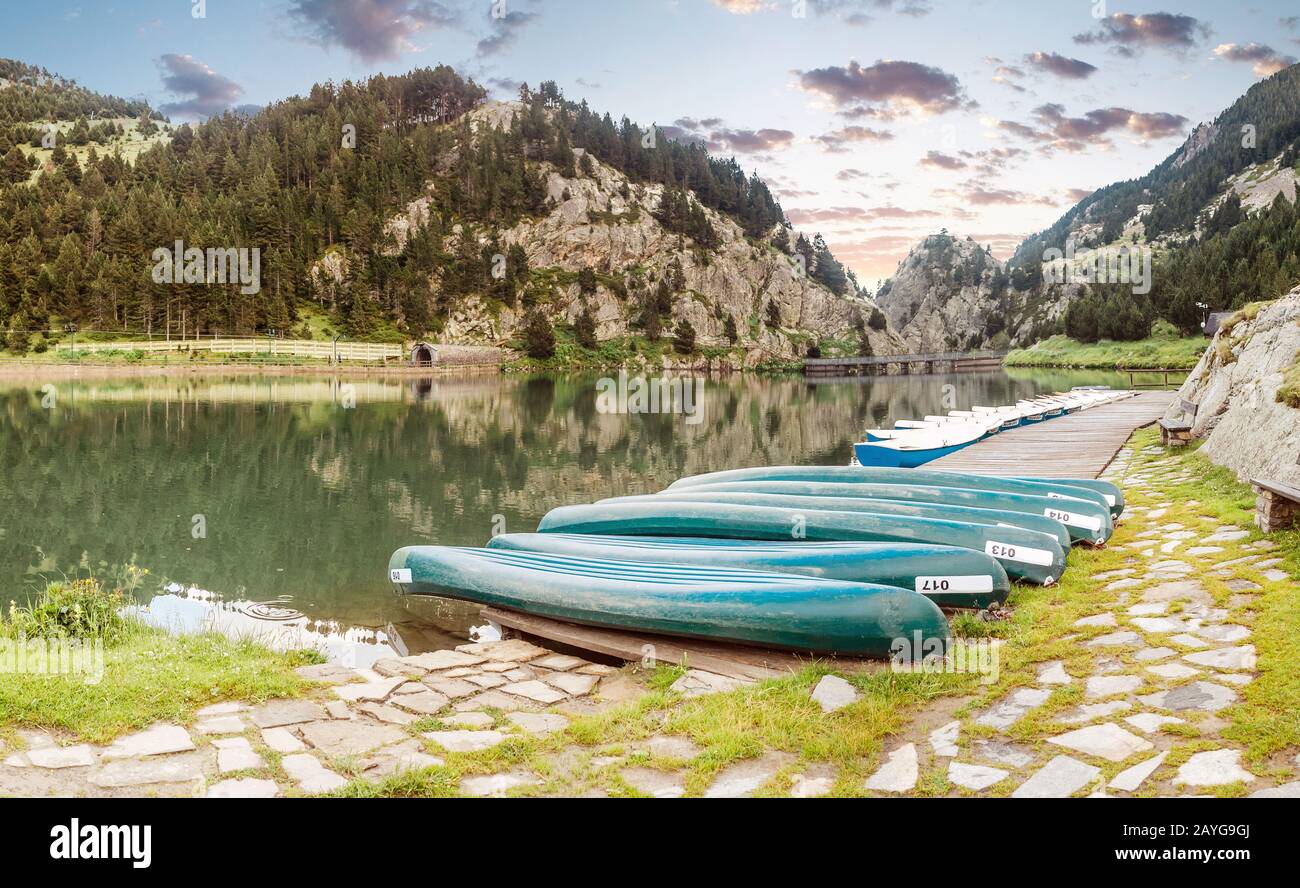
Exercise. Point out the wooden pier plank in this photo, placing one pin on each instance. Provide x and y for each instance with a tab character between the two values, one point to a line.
732	660
1080	445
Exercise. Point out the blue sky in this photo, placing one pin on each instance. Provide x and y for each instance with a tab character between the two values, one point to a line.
877	121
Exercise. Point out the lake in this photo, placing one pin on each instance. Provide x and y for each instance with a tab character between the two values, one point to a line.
277	500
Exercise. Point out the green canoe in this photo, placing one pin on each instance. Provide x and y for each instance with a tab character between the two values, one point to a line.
1113	494
880	475
942	511
1086	520
725	604
1024	554
947	575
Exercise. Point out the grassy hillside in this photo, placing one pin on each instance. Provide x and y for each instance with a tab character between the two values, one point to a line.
1154	352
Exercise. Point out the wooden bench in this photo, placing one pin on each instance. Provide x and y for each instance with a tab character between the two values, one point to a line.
1278	504
1178	433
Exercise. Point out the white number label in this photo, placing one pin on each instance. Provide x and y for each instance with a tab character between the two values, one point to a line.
1024	554
400	575
1073	520
971	584
1110	498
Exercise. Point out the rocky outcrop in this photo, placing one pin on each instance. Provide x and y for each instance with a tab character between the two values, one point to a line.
948	294
1235	387
602	221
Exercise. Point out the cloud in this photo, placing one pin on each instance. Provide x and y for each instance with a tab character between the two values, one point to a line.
837	141
897	85
856	214
940	161
1061	66
1074	195
372	30
977	194
1128	34
710	132
857	12
505	30
851	174
1058	131
743	7
1264	58
202	91
747	141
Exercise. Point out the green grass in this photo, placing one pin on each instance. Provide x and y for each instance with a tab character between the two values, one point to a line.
1061	351
130	675
1288	392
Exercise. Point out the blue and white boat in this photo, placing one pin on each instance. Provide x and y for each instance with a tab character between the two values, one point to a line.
908	449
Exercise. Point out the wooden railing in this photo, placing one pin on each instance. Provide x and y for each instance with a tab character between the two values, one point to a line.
1133	372
849	365
302	348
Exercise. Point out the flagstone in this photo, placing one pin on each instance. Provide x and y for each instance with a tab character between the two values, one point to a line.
943	741
1155	653
538	722
1150	722
745	777
1014	707
1107	740
159	739
571	683
975	777
247	788
465	741
1130	779
1148	609
1186	640
281	740
1060	778
236	754
1053	674
1225	633
58	757
186	767
1173	671
1203	696
1089	711
1116	639
495	784
434	661
899	773
1106	619
278	713
1108	685
340	738
1242	658
1216	768
833	693
310	775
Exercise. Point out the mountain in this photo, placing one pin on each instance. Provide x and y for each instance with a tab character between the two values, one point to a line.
405	207
1218	215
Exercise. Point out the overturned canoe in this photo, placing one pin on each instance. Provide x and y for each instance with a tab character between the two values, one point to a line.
947	575
1113	495
877	475
754	607
942	511
1024	554
1086	520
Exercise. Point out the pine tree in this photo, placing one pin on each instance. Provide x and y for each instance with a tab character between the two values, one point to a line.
584	328
684	337
539	336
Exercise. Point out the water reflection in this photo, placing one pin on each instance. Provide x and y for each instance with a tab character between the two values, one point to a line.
305	485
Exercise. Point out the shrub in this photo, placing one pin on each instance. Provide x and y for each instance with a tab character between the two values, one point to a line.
539	337
878	321
73	609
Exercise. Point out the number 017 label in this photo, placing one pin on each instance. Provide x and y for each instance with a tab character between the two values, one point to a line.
400	575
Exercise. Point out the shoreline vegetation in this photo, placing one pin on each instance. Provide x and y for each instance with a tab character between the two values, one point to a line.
1154	352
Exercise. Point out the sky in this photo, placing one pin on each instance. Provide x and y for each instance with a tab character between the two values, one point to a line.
876	122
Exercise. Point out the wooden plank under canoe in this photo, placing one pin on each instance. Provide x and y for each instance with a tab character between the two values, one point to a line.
732	660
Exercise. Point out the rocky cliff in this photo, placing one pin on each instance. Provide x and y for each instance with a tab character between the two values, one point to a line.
949	293
600	220
1235	389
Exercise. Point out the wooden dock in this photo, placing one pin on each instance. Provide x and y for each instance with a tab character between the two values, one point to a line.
1080	445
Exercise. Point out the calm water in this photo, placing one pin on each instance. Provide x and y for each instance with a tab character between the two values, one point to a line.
304	497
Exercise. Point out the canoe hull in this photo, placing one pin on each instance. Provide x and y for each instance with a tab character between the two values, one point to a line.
949	576
1085	520
885	507
753	607
888	457
1024	554
865	474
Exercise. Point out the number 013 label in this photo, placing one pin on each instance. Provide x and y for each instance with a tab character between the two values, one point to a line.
399	575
